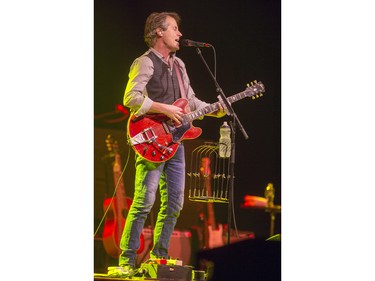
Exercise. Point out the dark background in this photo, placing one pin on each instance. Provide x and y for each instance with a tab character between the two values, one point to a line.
246	36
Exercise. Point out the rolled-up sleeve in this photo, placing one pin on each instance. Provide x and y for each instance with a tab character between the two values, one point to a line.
135	96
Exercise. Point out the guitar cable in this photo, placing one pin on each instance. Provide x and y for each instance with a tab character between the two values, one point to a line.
114	193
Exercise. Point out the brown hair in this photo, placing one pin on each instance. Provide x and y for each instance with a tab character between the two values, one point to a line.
157	20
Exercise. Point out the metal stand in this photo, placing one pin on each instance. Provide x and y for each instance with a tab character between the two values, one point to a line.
233	124
273	210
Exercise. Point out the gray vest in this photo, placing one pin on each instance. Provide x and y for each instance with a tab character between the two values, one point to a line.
162	87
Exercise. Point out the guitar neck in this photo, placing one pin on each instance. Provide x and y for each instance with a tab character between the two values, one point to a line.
214	106
210	206
206	174
211	215
117	177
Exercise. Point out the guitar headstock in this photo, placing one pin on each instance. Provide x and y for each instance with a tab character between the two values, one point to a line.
255	89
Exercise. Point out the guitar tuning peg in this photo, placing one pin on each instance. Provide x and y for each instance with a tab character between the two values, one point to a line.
255	81
253	97
261	94
257	96
247	85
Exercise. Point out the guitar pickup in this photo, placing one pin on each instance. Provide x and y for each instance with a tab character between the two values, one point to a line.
147	135
168	126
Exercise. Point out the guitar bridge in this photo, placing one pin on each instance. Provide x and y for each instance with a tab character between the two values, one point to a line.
147	135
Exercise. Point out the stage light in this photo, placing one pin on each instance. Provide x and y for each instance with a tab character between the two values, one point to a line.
122	109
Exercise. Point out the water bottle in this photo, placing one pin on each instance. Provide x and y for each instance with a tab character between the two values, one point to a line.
225	141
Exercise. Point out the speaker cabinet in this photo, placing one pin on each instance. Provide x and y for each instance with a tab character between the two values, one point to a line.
179	248
251	260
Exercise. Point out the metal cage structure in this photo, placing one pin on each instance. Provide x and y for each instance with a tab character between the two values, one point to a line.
208	177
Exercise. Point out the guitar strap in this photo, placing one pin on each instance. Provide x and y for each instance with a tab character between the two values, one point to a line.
182	89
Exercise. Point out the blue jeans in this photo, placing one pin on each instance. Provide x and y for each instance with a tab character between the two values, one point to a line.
169	177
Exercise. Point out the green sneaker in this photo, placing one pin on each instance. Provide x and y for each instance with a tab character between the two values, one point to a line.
121	271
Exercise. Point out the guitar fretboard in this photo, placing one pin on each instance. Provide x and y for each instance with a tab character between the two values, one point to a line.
251	91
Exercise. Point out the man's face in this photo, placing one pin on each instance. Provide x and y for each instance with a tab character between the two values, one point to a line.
172	35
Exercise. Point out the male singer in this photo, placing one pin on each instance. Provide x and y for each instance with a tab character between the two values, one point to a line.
153	87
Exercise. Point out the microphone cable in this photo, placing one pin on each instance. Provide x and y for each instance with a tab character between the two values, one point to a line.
114	192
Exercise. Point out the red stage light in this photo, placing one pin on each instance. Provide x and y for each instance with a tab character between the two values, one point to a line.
121	108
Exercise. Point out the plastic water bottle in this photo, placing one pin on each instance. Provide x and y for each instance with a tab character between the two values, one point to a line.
225	141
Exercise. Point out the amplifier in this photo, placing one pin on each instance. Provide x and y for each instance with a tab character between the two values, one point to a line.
179	247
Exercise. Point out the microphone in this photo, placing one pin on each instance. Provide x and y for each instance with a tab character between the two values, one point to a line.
190	43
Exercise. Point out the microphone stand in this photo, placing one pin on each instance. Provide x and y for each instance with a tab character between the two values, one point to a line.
233	125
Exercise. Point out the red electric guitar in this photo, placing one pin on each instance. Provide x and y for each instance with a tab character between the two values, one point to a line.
155	137
116	207
214	233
